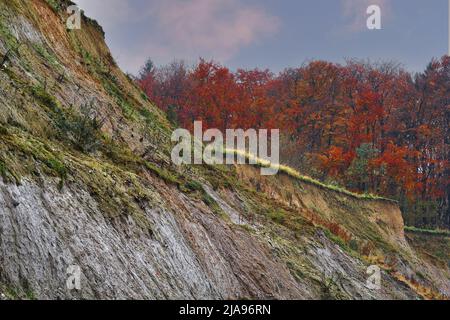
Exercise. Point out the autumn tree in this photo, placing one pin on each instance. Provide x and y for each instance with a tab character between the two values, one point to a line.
370	127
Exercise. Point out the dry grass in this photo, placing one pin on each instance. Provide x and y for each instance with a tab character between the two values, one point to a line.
424	292
252	159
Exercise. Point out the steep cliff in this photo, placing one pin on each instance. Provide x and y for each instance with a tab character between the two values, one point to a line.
86	180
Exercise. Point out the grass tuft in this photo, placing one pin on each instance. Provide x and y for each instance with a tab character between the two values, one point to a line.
295	174
167	176
435	232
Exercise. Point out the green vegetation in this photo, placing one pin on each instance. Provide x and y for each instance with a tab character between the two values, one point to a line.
149	117
5	34
347	247
119	154
278	216
48	57
11	293
353	245
116	188
360	166
193	186
330	288
57	166
44	98
338	240
81	129
435	232
153	120
165	175
123	166
208	200
30	295
295	174
3	130
41	152
54	4
6	171
213	205
197	189
3	170
112	86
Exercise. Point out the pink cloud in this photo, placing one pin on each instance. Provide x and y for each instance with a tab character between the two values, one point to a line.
183	29
215	28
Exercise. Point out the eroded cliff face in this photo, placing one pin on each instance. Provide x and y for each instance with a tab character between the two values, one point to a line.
188	252
139	227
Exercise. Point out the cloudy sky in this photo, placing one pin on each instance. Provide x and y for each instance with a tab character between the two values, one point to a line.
271	34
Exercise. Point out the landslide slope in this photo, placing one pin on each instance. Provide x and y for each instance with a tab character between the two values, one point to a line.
86	180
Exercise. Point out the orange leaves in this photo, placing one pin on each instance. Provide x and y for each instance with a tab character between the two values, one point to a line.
425	131
326	112
336	160
335	228
224	100
395	162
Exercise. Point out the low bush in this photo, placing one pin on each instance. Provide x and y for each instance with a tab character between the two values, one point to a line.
83	129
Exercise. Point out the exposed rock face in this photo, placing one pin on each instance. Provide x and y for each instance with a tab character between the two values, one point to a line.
136	226
187	254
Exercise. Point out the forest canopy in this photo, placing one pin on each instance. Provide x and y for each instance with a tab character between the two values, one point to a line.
369	127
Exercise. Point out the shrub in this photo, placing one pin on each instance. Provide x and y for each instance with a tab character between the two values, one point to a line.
7	174
57	166
353	244
82	130
208	200
193	186
277	216
56	6
168	177
3	170
3	131
44	98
